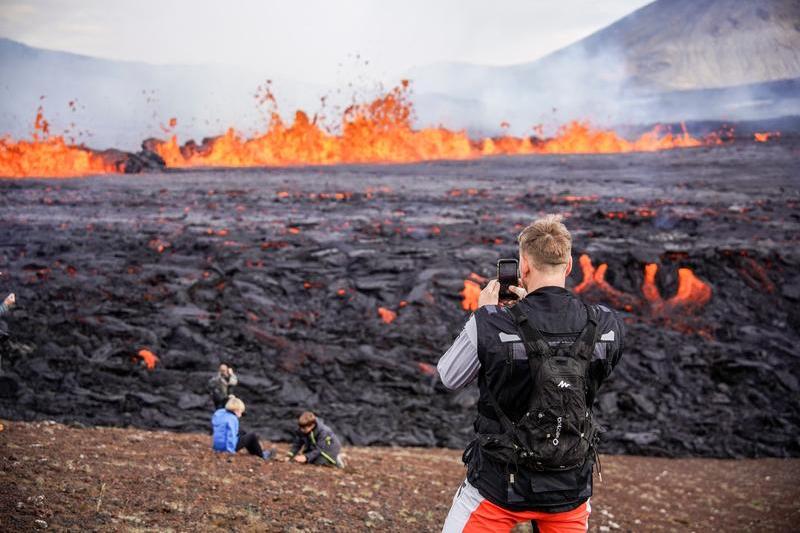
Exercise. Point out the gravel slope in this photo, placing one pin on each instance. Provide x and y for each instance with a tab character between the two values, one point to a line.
78	479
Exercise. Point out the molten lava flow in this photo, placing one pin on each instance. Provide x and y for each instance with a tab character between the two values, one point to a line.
387	315
580	137
649	289
764	136
427	369
381	131
150	359
470	295
595	279
46	156
692	292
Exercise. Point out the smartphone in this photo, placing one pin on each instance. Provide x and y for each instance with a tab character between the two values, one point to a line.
507	274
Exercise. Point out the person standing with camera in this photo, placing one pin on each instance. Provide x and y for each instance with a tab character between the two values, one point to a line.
221	385
8	303
539	358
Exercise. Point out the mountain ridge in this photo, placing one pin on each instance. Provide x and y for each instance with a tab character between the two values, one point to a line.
667	49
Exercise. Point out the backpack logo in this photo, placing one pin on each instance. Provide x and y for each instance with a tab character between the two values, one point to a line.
563	384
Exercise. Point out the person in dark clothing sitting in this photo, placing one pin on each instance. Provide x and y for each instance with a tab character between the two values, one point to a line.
221	385
317	442
227	436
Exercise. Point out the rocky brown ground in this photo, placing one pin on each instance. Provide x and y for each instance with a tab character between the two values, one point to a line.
77	479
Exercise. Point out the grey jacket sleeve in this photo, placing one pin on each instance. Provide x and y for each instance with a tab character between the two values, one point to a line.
608	348
3	308
460	364
233	380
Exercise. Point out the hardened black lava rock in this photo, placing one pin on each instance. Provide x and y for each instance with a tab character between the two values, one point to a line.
282	272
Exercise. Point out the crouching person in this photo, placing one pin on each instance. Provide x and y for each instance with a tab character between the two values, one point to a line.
227	437
315	443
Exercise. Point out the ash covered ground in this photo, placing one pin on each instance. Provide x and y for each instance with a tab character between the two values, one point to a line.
282	272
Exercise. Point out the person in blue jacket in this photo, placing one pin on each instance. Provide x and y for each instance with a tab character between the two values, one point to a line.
227	437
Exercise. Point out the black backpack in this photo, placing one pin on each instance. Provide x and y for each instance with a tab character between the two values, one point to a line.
557	431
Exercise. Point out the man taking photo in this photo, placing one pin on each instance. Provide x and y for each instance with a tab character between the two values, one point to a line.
539	363
221	385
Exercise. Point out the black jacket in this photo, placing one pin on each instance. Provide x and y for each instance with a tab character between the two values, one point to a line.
320	446
560	316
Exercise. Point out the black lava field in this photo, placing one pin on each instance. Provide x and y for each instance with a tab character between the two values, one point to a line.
337	289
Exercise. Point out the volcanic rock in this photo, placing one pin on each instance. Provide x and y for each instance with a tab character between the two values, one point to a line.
257	269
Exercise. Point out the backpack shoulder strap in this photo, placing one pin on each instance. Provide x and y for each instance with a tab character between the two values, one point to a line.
534	343
508	426
531	336
583	347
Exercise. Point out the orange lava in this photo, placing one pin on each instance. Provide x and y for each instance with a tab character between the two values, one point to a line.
379	131
692	293
150	359
595	278
427	369
580	137
765	136
387	315
46	156
649	289
470	293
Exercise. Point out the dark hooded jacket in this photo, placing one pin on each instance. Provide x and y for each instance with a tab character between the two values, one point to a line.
320	446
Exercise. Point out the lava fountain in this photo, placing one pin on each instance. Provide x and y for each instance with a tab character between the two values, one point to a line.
380	131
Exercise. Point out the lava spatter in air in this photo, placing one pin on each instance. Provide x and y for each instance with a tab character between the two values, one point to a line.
378	131
49	156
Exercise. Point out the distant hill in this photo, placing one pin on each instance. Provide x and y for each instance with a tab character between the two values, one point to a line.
670	60
673	45
120	103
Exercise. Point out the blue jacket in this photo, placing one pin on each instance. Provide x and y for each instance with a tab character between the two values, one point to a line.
226	431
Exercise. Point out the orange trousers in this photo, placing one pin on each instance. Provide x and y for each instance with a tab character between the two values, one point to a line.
472	513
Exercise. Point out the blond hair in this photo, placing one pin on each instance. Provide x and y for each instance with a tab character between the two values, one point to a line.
546	243
234	405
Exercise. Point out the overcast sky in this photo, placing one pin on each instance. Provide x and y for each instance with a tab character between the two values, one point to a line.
310	40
